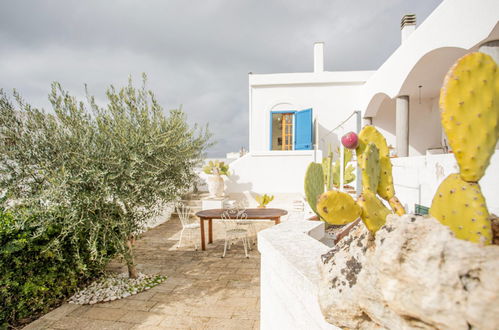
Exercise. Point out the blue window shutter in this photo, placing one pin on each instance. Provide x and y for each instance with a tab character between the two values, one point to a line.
303	130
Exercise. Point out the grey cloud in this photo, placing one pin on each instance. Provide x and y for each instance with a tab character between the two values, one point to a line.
196	53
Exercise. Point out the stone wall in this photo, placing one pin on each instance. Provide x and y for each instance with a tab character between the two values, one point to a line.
414	275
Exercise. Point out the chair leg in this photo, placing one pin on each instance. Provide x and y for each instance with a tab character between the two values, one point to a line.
195	241
225	248
180	239
245	244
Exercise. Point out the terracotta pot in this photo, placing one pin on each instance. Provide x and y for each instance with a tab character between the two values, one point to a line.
262	206
215	185
314	218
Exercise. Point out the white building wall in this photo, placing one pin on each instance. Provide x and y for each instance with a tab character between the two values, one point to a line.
416	179
425	130
270	172
331	95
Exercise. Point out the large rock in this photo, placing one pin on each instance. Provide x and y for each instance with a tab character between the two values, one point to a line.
415	274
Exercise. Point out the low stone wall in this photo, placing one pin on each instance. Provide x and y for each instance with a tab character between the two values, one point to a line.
289	276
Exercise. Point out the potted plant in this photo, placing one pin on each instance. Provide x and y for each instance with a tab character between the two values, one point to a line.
263	200
215	182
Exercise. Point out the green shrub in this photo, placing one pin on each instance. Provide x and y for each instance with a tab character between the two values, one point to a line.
36	270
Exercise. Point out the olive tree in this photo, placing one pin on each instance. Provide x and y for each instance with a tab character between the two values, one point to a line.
105	170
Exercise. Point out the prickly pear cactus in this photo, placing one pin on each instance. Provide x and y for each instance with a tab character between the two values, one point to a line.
370	167
369	134
374	212
327	168
396	206
469	101
463	201
337	208
314	184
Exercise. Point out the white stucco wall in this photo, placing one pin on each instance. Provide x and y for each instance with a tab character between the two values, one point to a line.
289	276
270	172
331	95
425	130
416	179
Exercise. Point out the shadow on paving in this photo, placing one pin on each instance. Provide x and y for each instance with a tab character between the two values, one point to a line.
203	290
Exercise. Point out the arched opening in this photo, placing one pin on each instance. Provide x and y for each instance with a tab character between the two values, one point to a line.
422	86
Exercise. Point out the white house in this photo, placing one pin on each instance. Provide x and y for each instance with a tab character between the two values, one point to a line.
294	117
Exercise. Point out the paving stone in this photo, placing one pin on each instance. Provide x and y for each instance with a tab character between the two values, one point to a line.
107	314
74	323
221	323
185	322
139	305
140	317
40	324
60	312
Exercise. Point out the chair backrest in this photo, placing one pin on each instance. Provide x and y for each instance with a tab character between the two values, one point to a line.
184	213
297	211
231	217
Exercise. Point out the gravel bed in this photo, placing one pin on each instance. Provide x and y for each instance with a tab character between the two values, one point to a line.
115	286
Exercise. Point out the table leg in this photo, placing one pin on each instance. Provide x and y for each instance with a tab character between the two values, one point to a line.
210	231
277	220
201	225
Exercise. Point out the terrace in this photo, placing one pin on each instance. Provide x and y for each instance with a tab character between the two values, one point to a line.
203	291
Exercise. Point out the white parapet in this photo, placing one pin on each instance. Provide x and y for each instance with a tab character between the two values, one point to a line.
271	172
416	179
289	276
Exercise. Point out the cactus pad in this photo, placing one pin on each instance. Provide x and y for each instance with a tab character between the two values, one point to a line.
461	206
385	187
374	213
469	103
370	134
396	205
370	167
337	208
314	184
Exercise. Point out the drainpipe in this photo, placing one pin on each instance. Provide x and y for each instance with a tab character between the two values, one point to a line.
402	125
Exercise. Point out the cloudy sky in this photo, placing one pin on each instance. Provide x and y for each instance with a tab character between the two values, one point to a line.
197	54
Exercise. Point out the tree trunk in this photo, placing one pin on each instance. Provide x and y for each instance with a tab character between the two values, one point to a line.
132	270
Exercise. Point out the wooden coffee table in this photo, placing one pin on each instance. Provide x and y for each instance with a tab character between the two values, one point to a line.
253	214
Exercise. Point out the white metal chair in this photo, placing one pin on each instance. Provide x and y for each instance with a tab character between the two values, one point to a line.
189	224
297	211
231	220
249	224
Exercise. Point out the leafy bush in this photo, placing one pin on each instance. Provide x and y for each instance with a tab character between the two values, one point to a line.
33	276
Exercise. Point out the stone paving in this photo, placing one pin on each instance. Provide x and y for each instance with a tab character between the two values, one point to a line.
203	291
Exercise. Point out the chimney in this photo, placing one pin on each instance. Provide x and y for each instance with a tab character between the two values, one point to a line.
319	57
407	26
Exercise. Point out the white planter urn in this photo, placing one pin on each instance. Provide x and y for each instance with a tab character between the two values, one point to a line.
215	185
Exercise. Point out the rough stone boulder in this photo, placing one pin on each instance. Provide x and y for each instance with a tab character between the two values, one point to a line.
415	274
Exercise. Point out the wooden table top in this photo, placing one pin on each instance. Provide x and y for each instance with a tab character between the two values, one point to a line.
258	213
